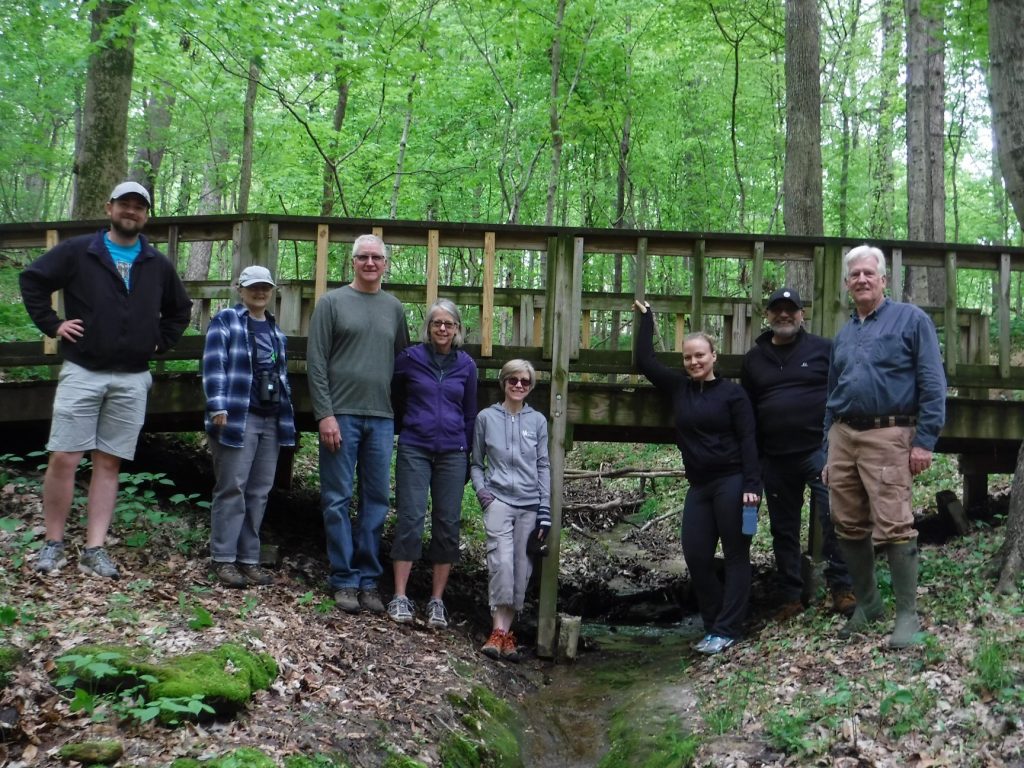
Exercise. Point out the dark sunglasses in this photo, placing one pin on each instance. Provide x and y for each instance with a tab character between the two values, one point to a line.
524	383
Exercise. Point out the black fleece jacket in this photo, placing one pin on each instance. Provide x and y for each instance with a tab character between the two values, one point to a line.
122	329
788	392
713	419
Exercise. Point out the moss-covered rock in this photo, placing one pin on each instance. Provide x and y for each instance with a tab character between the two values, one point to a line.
10	657
105	752
492	740
244	757
225	677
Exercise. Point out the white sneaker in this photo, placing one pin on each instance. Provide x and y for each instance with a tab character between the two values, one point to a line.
717	644
437	616
400	610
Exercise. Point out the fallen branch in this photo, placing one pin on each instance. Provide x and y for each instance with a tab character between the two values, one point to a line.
584	474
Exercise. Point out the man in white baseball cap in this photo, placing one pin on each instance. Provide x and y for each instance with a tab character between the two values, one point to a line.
123	302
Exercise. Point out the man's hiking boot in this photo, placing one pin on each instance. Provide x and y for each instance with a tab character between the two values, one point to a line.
347	599
229	575
369	600
94	561
51	557
494	645
255	574
843	602
788	610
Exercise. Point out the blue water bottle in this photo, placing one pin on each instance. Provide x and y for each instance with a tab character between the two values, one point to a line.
749	519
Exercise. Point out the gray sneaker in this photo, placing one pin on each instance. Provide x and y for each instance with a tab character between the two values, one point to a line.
95	561
347	598
401	610
370	601
51	557
437	616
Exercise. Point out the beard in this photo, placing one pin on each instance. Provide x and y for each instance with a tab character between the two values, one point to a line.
785	331
126	227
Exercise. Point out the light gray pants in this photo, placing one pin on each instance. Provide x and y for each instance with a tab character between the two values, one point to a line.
244	478
508	529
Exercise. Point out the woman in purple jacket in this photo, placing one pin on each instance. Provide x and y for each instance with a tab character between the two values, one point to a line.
434	397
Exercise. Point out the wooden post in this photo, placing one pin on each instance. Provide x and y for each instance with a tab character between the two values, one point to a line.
1004	316
757	283
252	246
952	326
56	300
896	274
323	236
433	265
487	301
561	297
697	292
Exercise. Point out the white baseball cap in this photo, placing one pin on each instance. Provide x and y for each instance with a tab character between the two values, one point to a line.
255	274
131	188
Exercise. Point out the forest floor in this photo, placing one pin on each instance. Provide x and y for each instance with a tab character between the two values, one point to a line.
364	690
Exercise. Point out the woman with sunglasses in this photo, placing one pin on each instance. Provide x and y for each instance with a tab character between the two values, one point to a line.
715	430
434	398
512	477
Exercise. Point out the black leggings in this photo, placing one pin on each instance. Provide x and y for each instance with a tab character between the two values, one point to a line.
713	511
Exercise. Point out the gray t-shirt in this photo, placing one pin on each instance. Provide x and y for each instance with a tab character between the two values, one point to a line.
353	340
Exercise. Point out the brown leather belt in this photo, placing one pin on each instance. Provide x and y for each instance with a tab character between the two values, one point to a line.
862	423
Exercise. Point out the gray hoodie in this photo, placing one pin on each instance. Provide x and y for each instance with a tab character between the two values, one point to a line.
515	447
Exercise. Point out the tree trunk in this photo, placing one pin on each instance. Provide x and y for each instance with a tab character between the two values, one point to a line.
801	180
332	181
248	131
553	118
926	189
102	158
1006	84
150	154
884	206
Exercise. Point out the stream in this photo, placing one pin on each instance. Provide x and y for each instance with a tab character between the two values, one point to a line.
630	680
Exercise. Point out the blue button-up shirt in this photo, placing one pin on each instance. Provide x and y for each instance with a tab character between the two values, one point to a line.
889	364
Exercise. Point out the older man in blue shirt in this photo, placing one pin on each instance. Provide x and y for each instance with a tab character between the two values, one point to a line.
886	405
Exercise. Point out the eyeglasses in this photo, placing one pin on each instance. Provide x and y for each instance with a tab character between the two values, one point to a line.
513	381
446	324
376	257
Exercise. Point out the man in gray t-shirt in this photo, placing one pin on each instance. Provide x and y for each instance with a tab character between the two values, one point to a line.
354	335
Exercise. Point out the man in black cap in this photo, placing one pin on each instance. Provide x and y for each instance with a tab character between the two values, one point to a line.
123	301
786	375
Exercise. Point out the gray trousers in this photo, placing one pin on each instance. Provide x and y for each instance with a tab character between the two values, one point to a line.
508	529
244	478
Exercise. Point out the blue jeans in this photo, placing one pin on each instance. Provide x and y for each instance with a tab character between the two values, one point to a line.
784	480
353	547
244	478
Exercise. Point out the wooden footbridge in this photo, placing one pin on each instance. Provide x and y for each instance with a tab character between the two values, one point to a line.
550	295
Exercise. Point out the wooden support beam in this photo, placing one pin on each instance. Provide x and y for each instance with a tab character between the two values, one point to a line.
561	291
487	300
1003	310
323	237
896	274
952	327
757	296
433	265
697	296
57	299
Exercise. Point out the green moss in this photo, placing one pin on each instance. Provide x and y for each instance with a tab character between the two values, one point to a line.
402	761
245	757
105	752
652	742
225	676
492	740
316	761
10	657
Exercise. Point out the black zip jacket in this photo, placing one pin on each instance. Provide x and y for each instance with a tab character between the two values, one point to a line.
122	330
788	392
713	419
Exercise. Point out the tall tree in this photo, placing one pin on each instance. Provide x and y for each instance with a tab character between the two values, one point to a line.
801	180
926	187
1006	85
883	198
103	143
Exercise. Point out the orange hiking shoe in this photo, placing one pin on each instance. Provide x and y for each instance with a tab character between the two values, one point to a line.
509	648
843	602
495	644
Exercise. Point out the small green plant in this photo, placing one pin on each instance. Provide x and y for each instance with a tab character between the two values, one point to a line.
905	709
787	732
248	606
170	709
201	618
991	664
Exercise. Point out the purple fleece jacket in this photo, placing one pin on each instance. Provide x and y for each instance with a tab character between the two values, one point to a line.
434	411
